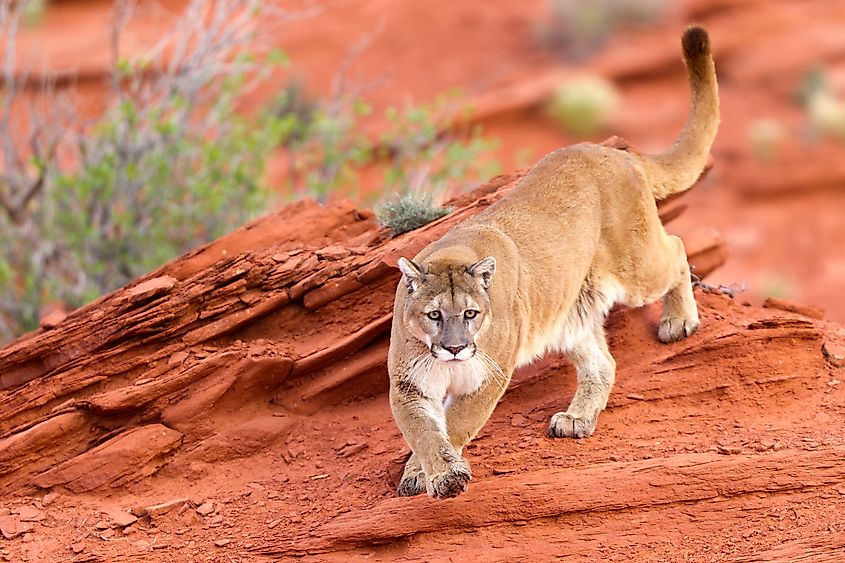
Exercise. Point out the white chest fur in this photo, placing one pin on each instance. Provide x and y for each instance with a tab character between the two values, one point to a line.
436	378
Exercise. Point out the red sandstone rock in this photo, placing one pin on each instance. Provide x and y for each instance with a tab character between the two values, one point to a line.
130	456
271	378
794	307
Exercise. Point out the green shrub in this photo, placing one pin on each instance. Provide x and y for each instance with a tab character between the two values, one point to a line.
424	161
409	212
825	109
584	106
578	28
419	150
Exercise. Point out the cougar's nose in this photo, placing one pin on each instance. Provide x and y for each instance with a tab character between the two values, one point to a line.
455	349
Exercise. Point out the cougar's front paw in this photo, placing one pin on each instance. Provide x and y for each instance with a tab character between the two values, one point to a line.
449	483
411	484
673	329
565	425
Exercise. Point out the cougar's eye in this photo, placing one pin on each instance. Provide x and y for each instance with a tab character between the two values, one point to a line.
434	315
470	314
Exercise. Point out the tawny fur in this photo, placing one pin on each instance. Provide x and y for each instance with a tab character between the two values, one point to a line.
579	233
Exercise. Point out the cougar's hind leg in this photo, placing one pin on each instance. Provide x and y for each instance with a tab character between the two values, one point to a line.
596	371
680	314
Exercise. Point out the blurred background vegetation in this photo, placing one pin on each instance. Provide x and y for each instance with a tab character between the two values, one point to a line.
171	163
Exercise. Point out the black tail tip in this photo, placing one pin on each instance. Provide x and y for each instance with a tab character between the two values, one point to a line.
696	42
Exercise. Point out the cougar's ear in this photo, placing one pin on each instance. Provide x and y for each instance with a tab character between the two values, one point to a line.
412	273
483	270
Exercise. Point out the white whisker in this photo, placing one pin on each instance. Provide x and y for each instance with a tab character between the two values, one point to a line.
419	365
492	369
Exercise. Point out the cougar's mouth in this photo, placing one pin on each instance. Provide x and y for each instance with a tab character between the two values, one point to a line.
453	353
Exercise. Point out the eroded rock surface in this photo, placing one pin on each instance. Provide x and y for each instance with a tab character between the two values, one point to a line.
257	382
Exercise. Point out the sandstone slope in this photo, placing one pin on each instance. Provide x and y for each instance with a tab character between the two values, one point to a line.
232	405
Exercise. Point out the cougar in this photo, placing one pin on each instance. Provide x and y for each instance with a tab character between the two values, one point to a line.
538	271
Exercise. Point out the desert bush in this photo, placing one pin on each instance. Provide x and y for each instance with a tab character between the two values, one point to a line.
426	152
325	148
584	106
422	155
424	164
168	166
411	211
85	207
578	28
419	150
825	109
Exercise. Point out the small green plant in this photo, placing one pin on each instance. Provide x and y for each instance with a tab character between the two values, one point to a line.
584	106
409	212
422	151
32	12
766	136
323	144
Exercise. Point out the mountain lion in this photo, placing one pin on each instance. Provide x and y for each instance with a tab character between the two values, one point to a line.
536	272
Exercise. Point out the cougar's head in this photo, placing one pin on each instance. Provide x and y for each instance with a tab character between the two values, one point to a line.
448	306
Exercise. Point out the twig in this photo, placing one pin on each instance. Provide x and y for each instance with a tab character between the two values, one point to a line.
340	89
729	290
21	184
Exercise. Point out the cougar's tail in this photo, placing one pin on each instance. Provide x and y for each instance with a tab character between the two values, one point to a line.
678	168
